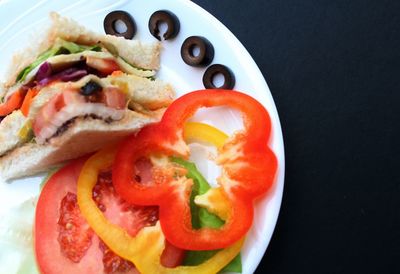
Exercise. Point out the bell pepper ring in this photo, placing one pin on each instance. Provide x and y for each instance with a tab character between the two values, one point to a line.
203	132
145	249
248	170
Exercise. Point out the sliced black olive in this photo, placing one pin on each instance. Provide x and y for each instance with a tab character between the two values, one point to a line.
205	55
212	71
90	88
110	24
167	17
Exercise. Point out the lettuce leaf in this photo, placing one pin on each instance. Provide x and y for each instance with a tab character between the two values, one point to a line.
60	47
202	218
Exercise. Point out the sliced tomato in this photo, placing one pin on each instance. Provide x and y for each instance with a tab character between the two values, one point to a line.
47	112
105	66
114	98
64	243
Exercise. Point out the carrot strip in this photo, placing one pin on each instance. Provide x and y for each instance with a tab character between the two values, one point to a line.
13	103
26	105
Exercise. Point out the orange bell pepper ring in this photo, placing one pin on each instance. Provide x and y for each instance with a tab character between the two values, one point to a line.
248	170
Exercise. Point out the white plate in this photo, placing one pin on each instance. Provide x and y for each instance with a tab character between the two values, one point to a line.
20	20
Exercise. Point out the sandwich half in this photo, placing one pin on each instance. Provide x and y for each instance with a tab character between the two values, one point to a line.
74	93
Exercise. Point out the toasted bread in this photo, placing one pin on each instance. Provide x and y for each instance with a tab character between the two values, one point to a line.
147	99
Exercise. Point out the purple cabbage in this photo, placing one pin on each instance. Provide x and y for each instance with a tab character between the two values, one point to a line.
43	72
70	74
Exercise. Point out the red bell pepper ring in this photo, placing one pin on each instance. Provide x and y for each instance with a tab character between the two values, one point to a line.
248	169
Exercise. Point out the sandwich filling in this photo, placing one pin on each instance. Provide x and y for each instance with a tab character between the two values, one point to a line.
70	81
91	99
67	61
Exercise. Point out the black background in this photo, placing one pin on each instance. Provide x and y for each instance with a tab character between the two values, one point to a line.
333	68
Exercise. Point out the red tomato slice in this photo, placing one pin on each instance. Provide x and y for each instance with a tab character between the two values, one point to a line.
103	65
64	243
56	103
45	114
114	98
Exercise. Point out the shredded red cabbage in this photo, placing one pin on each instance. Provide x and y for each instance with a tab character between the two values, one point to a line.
70	74
43	72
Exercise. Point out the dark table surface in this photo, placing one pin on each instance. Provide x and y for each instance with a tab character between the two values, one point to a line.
333	68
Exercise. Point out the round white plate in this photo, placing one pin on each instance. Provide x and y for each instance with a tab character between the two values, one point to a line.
22	20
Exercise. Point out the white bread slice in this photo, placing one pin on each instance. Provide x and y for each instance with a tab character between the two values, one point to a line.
85	135
133	51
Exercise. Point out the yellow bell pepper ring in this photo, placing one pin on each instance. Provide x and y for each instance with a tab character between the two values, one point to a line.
203	132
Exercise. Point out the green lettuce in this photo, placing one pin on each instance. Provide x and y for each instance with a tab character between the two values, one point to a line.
60	47
202	218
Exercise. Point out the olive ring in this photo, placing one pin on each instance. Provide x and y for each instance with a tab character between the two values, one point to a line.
212	71
111	19
167	17
206	51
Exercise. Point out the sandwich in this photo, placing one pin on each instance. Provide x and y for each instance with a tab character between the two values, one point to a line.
74	93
